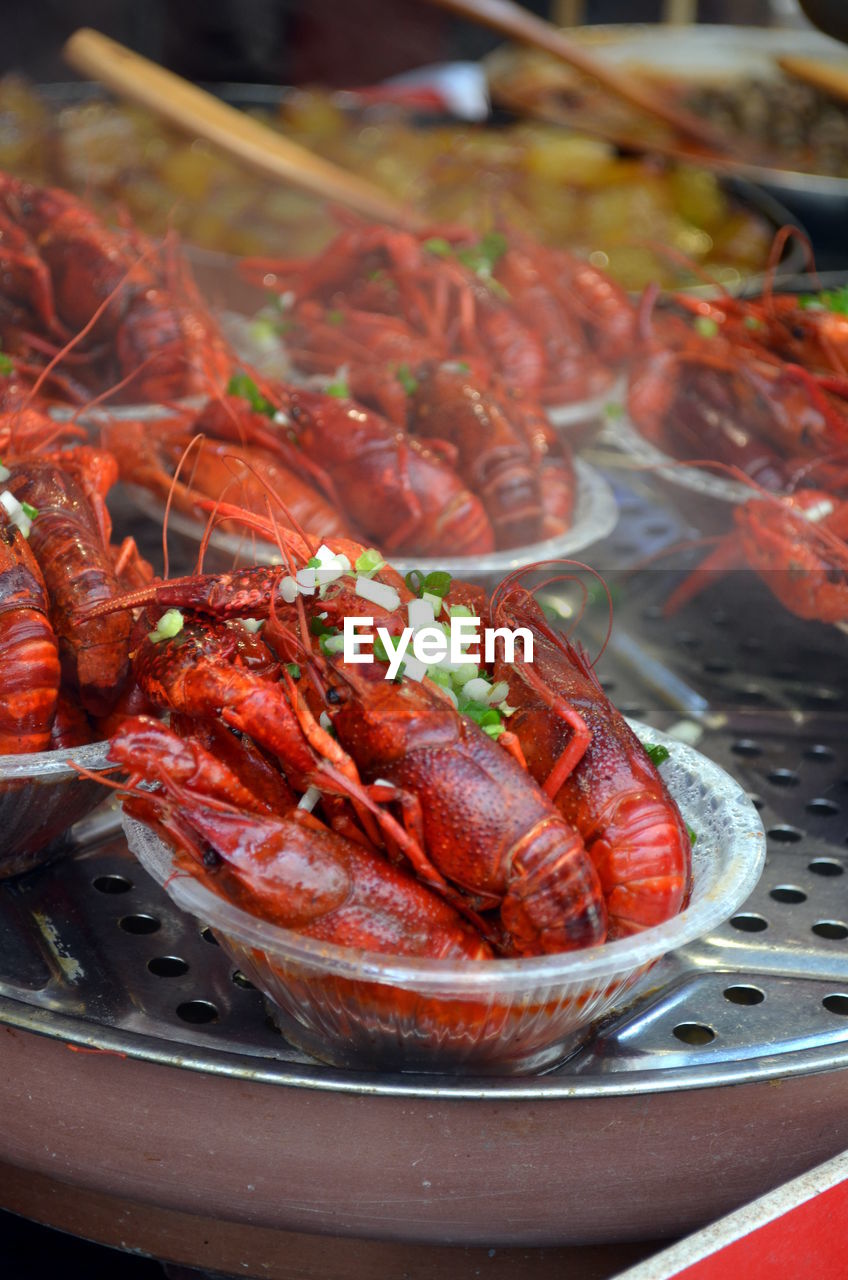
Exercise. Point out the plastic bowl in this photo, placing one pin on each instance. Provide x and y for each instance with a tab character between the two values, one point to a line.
362	1010
41	795
595	516
578	414
622	433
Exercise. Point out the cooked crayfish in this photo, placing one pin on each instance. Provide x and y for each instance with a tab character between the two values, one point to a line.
587	759
141	319
288	868
795	542
596	835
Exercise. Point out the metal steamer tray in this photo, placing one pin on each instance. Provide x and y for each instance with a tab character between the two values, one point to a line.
138	1064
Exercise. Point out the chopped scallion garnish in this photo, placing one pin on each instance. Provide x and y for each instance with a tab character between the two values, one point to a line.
168	626
706	326
241	384
404	375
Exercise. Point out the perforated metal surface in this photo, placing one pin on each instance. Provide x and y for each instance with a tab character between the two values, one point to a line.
92	951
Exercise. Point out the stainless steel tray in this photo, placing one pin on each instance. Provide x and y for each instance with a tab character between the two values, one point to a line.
136	1062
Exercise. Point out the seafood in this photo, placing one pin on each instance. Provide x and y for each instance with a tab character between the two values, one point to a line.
394	489
596	833
797	543
69	540
449	776
493	456
483	823
136	309
28	649
547	323
701	396
288	868
247	476
810	330
580	750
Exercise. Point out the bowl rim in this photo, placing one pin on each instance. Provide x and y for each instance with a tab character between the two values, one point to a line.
596	515
622	432
55	763
742	824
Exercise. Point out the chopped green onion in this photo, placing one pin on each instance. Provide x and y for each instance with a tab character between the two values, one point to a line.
168	626
406	379
335	317
264	331
339	389
415	581
313	563
462	366
317	627
438	583
468	671
435	602
693	835
293	670
439	676
6	364
369	562
29	510
380	650
613	410
241	384
332	644
481	258
439	246
460	611
657	754
752	322
706	326
829	300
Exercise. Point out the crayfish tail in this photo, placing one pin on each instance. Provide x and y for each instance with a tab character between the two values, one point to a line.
554	900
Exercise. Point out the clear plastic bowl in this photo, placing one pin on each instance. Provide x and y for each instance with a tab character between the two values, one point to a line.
41	795
622	433
579	413
595	516
356	1009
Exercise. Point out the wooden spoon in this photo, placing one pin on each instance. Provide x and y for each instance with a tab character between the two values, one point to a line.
829	77
131	76
518	24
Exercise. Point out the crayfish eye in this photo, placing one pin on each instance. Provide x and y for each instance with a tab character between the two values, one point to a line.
334	696
211	858
798	332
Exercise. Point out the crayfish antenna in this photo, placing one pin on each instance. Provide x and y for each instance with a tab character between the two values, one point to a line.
85	330
514	579
645	311
781	238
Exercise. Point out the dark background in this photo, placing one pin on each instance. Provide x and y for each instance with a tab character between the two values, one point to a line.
340	42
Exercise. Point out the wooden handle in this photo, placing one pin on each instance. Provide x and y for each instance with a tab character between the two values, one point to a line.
829	77
131	76
518	24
